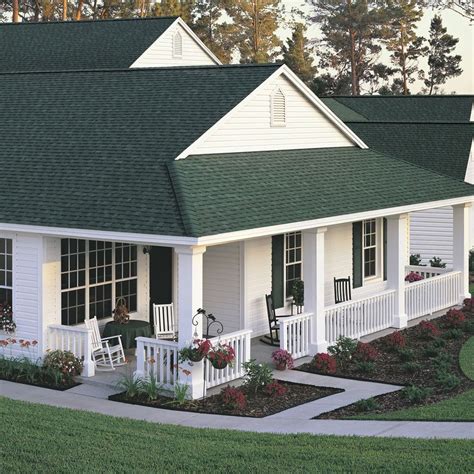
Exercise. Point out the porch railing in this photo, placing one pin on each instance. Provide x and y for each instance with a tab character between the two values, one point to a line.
426	272
159	359
358	318
294	334
432	294
76	339
240	342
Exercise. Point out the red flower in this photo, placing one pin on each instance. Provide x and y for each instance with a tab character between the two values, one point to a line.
275	389
428	330
395	340
234	398
186	372
366	352
454	318
325	363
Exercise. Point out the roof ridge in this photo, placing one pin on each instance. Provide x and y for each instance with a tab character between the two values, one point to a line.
398	96
103	20
141	69
414	122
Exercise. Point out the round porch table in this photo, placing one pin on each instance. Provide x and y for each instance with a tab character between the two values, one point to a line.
134	328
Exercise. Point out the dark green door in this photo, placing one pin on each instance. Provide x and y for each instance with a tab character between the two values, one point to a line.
161	276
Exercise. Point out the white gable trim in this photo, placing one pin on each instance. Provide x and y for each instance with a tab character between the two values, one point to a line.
190	32
301	87
469	176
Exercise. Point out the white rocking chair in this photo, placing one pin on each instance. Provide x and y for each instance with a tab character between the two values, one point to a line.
104	353
164	321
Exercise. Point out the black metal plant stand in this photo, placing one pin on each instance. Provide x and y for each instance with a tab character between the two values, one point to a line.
210	320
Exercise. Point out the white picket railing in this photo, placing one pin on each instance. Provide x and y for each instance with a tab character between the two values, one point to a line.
358	318
76	339
432	294
240	342
294	334
425	272
157	358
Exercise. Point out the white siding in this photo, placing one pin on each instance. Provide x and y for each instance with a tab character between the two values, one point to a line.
160	53
469	177
249	128
257	283
431	234
221	285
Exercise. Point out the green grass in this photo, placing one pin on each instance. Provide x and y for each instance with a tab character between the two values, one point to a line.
459	408
471	288
38	438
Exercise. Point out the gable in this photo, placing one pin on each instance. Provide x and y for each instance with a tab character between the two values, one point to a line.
177	46
251	126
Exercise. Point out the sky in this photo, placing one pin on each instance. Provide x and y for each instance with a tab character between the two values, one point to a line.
457	25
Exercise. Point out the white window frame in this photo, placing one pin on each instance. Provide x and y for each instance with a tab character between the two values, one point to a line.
5	286
378	250
113	281
273	122
287	264
177	54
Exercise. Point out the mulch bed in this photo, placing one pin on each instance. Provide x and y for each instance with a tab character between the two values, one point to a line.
257	407
388	368
59	388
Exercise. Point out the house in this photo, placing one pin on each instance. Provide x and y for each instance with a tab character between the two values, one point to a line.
435	132
207	186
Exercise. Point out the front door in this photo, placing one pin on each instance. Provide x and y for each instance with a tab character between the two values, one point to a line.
161	277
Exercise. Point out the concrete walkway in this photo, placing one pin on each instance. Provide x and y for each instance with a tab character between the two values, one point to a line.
296	420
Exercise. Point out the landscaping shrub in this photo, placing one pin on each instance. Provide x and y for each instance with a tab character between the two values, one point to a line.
469	327
416	394
368	404
454	318
468	305
437	262
411	367
428	330
453	333
443	361
431	351
275	389
365	352
325	363
233	398
258	376
343	350
365	367
131	385
405	354
395	341
65	362
447	380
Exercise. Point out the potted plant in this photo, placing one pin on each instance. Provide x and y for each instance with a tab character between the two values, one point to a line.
6	319
297	292
120	312
196	351
221	355
282	359
413	276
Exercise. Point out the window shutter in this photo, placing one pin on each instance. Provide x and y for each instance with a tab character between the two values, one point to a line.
384	248
277	270
278	108
357	254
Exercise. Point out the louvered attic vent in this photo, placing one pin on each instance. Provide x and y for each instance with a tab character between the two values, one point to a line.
177	45
278	109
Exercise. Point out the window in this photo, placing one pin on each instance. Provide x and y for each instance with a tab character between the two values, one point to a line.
278	109
93	275
6	271
369	245
177	45
293	260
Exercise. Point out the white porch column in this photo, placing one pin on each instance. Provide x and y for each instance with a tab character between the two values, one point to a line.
190	276
396	261
313	277
461	245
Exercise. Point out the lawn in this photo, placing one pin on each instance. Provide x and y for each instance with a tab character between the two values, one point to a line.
471	288
46	439
459	408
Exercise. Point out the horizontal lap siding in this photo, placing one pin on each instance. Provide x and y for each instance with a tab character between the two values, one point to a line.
249	129
160	53
431	234
221	284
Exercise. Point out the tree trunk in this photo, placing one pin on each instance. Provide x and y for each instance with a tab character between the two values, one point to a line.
16	11
36	10
80	3
403	62
64	10
354	79
255	30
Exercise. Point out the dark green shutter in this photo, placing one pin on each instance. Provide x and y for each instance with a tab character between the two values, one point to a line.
277	270
357	254
384	248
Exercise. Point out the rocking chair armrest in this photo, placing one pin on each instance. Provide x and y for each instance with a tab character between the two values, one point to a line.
104	339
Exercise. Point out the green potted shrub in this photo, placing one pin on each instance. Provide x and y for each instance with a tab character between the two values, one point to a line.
297	292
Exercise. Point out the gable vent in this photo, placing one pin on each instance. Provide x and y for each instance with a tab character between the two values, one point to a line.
177	45
278	109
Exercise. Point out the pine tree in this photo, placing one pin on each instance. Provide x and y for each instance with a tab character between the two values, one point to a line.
182	8
256	22
297	54
405	45
442	65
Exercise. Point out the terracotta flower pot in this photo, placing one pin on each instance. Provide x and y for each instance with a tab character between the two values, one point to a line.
280	365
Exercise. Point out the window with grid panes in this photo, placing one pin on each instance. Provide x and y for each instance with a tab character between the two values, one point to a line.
6	271
293	260
369	243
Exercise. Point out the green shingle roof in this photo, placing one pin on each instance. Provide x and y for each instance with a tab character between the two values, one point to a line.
230	192
88	149
60	46
432	109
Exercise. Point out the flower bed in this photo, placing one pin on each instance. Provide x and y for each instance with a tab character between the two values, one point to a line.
423	358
